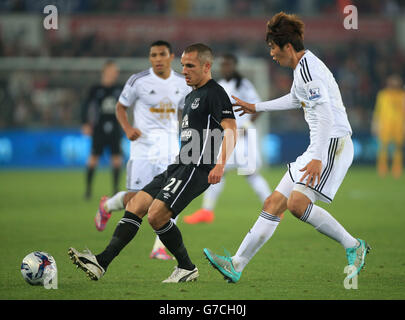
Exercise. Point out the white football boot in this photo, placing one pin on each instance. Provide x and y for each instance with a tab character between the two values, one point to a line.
182	275
87	262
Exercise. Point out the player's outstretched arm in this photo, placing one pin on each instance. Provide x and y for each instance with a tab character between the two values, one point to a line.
228	144
243	106
122	117
285	102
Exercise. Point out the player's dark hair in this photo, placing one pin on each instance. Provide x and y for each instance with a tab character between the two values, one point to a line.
204	52
286	28
162	43
235	75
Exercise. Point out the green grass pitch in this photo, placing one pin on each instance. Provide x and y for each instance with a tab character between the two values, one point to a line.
45	210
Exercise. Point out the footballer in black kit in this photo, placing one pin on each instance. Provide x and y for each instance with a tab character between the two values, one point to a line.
99	121
201	137
207	116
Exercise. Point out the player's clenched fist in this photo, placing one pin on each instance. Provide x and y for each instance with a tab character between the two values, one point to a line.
216	174
133	133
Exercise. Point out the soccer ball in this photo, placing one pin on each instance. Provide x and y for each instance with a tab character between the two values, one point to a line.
38	268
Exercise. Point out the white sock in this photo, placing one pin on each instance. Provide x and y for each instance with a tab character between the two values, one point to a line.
328	225
260	233
211	195
116	202
259	185
159	244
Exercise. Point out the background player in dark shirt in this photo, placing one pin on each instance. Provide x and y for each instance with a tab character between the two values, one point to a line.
99	121
207	117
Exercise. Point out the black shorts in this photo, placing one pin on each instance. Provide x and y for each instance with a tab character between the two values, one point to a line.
178	186
101	140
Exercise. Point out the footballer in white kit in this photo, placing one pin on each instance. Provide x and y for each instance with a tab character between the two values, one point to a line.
157	95
246	156
318	173
315	90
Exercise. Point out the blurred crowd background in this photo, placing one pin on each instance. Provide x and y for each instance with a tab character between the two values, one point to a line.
360	59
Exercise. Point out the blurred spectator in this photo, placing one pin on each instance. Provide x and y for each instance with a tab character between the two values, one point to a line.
360	67
389	124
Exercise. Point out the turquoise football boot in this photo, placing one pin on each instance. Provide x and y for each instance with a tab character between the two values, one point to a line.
224	265
356	257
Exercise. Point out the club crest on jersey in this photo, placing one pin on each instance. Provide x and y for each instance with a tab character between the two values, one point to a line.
314	94
184	123
195	104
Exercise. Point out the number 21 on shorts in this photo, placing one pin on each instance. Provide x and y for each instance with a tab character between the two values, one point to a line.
175	182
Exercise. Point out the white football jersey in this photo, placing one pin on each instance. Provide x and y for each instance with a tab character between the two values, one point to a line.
316	91
246	92
156	103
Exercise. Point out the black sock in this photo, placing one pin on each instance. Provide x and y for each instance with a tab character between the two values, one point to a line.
89	180
116	179
124	232
171	237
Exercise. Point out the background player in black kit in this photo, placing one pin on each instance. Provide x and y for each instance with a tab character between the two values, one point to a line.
207	117
99	121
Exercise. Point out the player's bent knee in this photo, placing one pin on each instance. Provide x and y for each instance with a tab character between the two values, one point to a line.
158	215
156	219
128	196
296	206
275	204
139	204
297	203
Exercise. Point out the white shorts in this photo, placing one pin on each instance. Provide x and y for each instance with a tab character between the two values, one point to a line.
246	156
334	168
141	171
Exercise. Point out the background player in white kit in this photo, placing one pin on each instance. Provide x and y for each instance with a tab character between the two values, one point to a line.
316	174
156	94
246	156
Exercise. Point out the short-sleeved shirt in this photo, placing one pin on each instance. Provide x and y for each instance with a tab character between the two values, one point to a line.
201	130
156	103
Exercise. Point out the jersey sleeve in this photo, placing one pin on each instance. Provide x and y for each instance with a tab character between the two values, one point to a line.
128	94
286	102
220	106
319	100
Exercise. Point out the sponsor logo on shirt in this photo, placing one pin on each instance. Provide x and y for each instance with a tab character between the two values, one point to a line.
185	135
226	112
164	109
